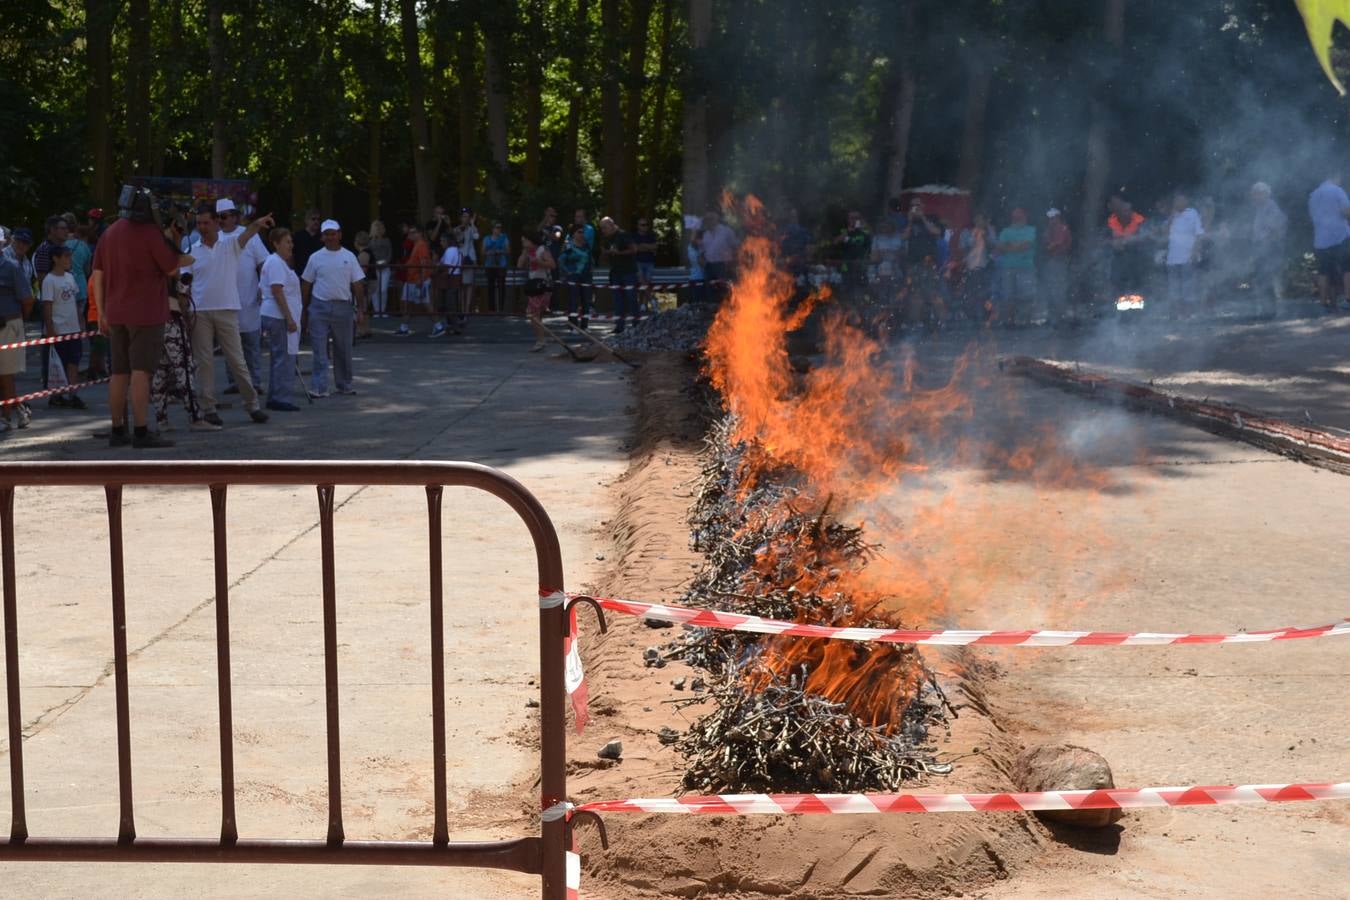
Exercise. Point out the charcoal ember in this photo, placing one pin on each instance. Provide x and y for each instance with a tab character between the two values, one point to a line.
681	329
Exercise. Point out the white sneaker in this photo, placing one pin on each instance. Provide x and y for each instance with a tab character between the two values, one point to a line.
437	330
538	345
25	415
402	331
203	425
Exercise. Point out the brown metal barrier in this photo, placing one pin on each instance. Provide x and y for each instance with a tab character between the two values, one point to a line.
541	855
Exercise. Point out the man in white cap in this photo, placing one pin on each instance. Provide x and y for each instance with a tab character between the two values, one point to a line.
332	289
251	259
1055	265
215	302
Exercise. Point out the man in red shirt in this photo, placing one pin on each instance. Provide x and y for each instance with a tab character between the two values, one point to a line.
131	266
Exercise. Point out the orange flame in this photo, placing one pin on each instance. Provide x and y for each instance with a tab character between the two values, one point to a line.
854	428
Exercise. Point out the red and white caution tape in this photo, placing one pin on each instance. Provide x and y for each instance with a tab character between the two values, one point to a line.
573	876
574	677
849	804
56	339
708	618
52	392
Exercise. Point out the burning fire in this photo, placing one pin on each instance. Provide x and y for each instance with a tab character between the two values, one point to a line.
848	432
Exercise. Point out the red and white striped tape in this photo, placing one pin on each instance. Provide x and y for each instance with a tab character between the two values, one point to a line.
56	339
52	392
708	618
849	804
573	876
574	677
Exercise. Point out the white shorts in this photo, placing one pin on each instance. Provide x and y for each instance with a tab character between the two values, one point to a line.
13	362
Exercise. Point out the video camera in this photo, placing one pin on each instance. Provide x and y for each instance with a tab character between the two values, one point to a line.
139	204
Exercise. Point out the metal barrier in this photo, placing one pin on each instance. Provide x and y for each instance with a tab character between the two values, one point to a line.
542	855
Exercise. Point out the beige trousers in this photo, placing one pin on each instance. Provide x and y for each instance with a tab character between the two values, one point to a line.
220	325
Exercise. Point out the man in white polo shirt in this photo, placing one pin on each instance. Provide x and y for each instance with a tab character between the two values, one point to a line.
215	304
251	259
331	282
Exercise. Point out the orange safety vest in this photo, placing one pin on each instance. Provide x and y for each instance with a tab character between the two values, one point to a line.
1126	229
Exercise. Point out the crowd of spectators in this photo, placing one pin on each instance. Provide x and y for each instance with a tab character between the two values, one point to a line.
243	289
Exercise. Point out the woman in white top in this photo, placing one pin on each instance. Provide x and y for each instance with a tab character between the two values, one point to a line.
281	309
534	257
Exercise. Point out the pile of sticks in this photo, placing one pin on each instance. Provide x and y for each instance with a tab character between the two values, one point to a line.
771	550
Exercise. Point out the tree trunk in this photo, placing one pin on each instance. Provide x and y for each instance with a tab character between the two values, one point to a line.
215	42
695	174
138	86
641	12
534	100
577	85
466	50
498	88
439	91
375	126
424	173
979	78
902	118
611	111
1098	170
98	23
660	113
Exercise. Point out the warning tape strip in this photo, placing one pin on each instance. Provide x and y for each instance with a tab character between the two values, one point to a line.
52	392
846	804
56	339
707	618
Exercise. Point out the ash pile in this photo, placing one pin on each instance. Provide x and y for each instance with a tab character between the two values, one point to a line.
794	714
681	329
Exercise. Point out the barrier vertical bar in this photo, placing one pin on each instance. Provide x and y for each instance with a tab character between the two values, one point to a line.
330	672
18	822
441	829
229	830
126	828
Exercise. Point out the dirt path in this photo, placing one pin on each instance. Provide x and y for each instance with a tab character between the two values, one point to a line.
1175	530
558	427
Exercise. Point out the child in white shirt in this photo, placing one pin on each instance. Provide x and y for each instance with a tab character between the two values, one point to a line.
61	315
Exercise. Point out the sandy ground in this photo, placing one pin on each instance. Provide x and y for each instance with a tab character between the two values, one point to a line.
558	427
1169	528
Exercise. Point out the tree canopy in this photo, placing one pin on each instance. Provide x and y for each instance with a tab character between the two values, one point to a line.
377	107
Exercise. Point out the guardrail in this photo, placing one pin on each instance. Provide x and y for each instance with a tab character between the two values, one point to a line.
542	854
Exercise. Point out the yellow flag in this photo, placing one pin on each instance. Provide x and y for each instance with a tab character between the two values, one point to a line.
1321	17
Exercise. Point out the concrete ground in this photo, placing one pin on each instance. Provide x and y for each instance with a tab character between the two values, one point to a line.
558	426
1163	527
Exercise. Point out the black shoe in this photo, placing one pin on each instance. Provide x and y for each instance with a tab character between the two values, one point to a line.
257	415
59	401
282	406
214	419
232	389
151	440
119	440
74	402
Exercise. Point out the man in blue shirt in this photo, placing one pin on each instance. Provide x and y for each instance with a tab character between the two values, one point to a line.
1329	207
1017	260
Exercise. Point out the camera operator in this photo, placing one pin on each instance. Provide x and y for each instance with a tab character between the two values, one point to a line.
129	286
215	296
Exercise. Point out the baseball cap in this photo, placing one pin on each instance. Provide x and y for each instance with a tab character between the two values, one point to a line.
224	205
96	212
330	225
1051	212
59	250
23	234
